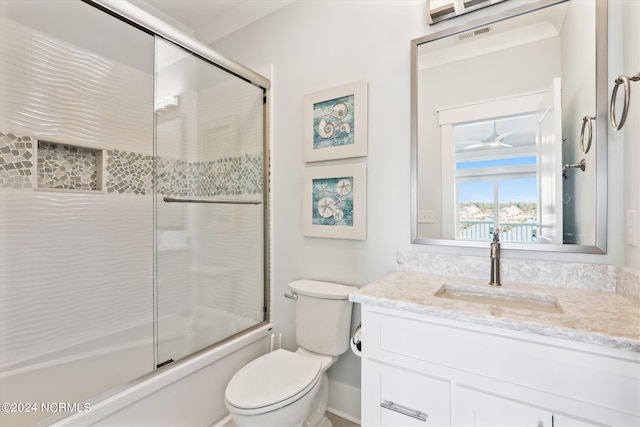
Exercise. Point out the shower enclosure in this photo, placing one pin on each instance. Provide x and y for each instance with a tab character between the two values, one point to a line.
133	203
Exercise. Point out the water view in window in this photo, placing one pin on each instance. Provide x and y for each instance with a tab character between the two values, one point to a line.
507	201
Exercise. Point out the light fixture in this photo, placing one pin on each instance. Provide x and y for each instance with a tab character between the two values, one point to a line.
439	10
165	102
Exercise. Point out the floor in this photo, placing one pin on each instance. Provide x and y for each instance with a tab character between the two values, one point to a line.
335	420
340	422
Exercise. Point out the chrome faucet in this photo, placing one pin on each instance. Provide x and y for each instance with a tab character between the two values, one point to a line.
495	259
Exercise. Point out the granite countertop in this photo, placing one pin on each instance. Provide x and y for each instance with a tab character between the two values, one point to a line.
596	317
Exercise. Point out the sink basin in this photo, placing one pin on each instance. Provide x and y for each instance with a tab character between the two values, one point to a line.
501	297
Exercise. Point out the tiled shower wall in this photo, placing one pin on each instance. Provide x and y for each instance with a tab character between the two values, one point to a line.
59	218
74	265
77	182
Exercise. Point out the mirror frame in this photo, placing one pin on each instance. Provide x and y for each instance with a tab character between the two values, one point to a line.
601	145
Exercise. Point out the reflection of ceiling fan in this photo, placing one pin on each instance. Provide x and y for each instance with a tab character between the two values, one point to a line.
493	140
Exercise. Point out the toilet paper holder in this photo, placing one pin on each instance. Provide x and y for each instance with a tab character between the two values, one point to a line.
356	337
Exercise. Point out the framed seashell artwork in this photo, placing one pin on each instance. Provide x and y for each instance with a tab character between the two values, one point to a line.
336	122
334	201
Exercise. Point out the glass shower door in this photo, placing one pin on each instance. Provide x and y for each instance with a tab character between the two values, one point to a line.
209	203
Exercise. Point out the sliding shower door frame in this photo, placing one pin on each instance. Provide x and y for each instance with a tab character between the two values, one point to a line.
148	23
153	25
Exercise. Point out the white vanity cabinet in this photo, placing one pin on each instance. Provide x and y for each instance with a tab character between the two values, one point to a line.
423	370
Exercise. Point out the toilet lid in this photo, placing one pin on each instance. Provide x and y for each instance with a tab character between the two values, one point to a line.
273	378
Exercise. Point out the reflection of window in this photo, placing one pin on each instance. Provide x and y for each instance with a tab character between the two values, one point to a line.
479	142
497	193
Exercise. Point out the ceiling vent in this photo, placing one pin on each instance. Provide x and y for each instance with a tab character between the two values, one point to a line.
474	33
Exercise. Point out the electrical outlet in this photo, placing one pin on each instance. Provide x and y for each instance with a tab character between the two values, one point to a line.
630	228
426	216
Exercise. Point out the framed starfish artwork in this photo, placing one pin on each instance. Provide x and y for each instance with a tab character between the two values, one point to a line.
335	201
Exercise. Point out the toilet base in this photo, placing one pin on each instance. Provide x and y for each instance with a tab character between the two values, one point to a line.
318	413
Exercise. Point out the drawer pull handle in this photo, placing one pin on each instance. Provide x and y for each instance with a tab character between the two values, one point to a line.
387	404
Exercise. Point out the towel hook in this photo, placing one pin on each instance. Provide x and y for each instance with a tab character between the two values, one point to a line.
586	120
582	166
622	80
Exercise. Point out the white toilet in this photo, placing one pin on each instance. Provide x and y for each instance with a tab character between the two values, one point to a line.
286	389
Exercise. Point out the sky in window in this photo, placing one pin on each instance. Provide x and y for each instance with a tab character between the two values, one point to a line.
511	161
518	190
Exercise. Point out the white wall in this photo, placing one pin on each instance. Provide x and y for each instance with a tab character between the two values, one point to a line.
313	45
630	66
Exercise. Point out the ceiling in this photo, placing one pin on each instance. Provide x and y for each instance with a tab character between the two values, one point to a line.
210	20
512	135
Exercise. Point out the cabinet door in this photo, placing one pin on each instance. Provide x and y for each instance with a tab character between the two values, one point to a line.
408	399
475	408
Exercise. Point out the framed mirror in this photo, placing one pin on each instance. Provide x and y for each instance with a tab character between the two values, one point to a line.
509	130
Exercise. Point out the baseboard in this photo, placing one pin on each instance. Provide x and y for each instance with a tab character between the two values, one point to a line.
344	401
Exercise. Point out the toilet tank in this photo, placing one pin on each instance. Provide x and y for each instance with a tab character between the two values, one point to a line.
323	316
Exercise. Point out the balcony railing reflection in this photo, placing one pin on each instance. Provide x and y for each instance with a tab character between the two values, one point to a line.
518	232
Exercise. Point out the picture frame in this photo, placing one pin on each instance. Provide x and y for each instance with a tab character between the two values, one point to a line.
334	201
335	122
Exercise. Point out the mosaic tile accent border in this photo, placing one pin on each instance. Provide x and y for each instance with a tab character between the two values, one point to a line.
76	168
226	177
128	172
133	173
68	167
16	161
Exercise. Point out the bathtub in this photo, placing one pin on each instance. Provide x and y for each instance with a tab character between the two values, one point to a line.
52	389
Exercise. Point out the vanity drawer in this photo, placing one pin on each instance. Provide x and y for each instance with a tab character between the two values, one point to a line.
404	398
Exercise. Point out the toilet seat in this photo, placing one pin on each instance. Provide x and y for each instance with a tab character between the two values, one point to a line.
272	381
